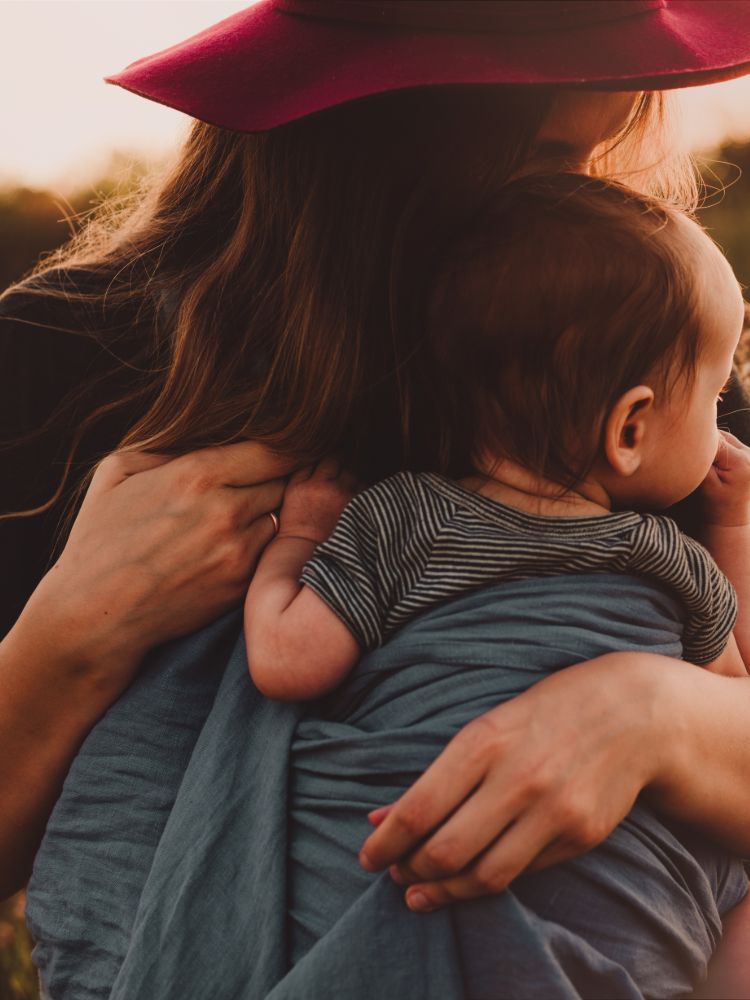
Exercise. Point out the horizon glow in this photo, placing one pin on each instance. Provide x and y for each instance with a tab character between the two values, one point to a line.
64	123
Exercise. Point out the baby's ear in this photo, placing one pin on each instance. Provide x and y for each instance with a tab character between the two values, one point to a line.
625	430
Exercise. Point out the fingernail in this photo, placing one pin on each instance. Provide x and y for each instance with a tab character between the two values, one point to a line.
396	875
419	902
366	863
375	815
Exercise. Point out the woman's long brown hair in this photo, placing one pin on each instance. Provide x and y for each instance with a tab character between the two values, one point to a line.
275	280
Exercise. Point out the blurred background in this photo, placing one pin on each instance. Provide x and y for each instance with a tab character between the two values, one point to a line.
70	140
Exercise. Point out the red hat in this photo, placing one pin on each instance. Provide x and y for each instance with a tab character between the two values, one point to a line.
279	60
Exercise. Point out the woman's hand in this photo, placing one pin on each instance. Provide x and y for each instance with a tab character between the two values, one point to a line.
160	547
539	779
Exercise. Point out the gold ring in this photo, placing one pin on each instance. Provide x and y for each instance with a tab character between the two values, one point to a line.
275	520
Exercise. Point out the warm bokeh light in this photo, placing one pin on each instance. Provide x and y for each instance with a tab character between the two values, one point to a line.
60	122
58	118
716	114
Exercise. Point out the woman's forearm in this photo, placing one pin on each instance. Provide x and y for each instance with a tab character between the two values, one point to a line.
547	775
161	546
50	697
703	777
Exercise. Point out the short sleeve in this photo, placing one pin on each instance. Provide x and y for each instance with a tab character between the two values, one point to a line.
661	550
708	629
343	572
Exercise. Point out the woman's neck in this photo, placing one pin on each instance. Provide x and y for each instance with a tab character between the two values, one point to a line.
510	483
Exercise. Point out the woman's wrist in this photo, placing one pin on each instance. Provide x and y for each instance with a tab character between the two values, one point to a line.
72	635
637	688
668	728
700	764
52	696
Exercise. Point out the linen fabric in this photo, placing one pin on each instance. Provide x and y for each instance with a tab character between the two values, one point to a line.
415	539
205	840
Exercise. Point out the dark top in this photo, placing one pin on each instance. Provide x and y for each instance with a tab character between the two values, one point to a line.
49	356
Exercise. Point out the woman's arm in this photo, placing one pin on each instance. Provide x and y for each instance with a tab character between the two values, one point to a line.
548	775
160	547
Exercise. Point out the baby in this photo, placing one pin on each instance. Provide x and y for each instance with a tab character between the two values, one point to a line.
579	336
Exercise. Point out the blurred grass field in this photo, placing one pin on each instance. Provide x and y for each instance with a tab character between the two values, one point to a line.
18	979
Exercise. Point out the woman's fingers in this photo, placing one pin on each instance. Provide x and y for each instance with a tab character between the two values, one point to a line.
555	765
444	785
245	463
464	836
118	466
254	502
163	545
554	853
376	816
506	858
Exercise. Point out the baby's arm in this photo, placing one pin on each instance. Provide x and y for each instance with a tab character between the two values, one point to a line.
726	535
297	648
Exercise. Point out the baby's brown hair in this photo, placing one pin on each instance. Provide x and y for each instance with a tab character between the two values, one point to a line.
566	293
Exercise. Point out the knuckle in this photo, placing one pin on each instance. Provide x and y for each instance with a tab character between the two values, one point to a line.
488	876
440	856
537	782
260	500
225	520
114	463
408	819
235	561
481	739
567	813
407	872
578	819
192	474
590	832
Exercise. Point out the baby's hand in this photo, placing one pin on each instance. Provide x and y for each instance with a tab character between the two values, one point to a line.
314	500
726	488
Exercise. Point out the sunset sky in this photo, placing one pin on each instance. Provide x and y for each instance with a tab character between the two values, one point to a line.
60	122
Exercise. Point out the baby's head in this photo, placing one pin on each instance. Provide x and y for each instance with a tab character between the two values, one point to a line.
584	330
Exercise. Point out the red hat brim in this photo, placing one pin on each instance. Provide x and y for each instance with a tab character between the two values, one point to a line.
266	66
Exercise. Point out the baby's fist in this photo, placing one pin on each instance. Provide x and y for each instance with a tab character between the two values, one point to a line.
314	500
726	488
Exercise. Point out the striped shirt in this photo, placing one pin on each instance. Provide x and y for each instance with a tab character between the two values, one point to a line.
416	539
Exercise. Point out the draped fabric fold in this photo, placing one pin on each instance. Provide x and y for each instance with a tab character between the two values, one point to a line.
205	843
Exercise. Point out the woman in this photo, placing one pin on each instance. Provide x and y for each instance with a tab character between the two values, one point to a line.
264	233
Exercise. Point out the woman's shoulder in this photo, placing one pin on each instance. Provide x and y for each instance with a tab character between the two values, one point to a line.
57	306
56	369
52	342
39	317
